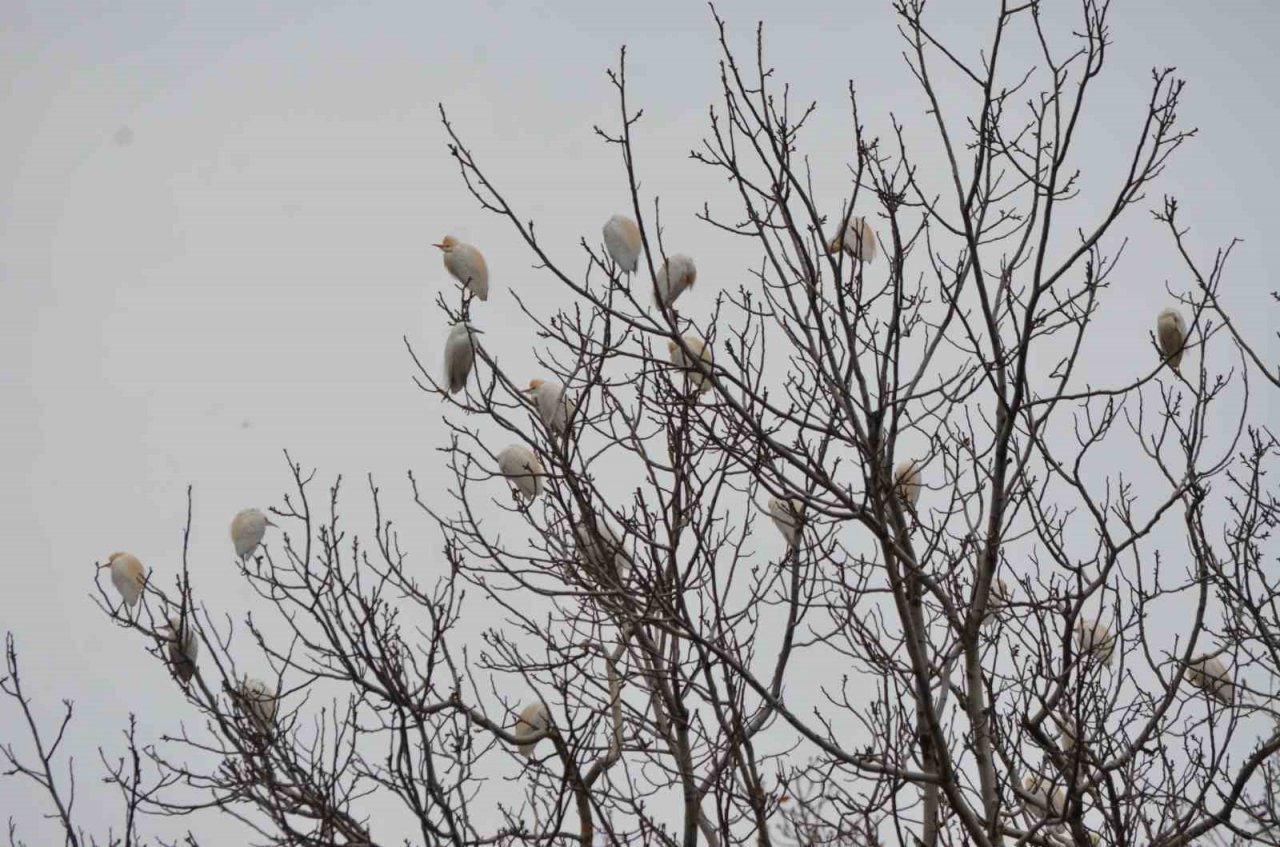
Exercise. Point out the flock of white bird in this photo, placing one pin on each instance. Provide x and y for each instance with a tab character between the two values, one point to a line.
602	549
248	528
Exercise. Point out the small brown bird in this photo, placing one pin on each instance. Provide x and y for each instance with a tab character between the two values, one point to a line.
466	264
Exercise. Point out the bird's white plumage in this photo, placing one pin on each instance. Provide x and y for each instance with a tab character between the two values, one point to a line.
1094	638
521	466
695	382
260	698
247	529
1171	333
128	576
1068	733
1045	799
601	550
183	647
858	240
466	264
459	356
907	478
677	274
622	240
553	404
533	719
1211	676
788	517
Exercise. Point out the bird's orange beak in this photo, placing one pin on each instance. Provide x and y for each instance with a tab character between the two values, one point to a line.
440	245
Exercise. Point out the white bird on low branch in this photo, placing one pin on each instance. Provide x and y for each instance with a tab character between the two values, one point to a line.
247	529
533	719
907	478
858	240
553	405
677	274
459	355
521	467
1171	333
788	517
1095	639
127	575
695	382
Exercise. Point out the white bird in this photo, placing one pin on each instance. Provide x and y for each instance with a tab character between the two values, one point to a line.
1000	597
459	355
1171	332
858	240
1043	801
907	478
676	274
247	529
622	240
554	407
183	648
1095	638
533	719
520	465
466	264
601	550
695	383
260	699
788	517
1068	733
1211	676
127	576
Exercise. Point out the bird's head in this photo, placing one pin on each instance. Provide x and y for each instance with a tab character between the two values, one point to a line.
672	347
448	244
1031	783
535	384
111	559
693	276
833	246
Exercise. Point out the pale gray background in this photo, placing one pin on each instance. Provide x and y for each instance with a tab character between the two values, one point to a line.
215	226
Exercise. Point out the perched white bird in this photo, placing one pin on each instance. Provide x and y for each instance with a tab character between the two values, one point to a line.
1068	733
247	529
676	274
459	355
1000	597
260	699
554	406
858	240
601	550
1045	799
533	719
520	465
1171	332
466	264
695	383
1211	676
622	240
907	478
788	517
183	648
1093	637
127	576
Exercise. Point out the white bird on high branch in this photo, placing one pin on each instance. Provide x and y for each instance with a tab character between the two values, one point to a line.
247	529
677	274
532	720
1095	639
622	240
601	551
466	264
459	355
182	646
788	517
127	575
858	240
1045	799
1171	333
553	405
521	467
695	382
1211	676
907	479
260	700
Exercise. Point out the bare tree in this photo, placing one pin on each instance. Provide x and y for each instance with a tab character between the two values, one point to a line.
960	645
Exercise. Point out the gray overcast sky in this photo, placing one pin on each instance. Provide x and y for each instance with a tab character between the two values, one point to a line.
216	221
